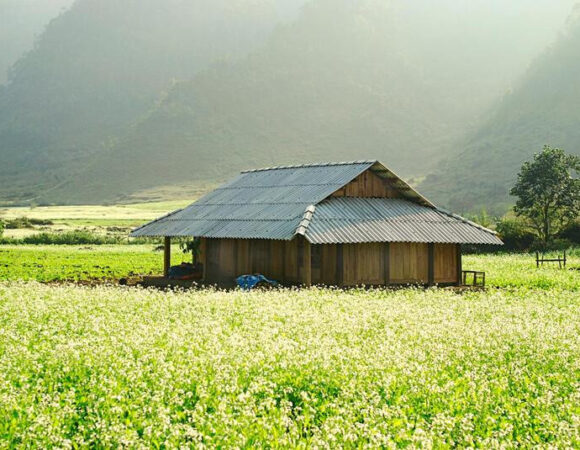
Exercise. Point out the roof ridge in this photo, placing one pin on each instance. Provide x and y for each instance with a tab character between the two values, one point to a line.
320	164
306	219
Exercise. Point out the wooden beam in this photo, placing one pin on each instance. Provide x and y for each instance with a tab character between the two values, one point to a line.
166	256
387	265
339	265
431	264
459	265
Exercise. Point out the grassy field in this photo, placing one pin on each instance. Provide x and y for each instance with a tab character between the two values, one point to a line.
110	263
112	367
107	367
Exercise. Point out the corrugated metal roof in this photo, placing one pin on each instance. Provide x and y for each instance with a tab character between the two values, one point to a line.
281	202
352	220
260	204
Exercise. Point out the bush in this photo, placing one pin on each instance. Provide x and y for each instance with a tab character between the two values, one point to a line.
25	222
515	234
81	237
572	233
1	228
70	238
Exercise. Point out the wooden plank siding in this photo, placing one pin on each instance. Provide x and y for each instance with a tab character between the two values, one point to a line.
229	258
409	263
363	264
445	267
299	262
368	185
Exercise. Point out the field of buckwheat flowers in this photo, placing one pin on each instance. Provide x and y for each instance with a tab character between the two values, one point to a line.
124	367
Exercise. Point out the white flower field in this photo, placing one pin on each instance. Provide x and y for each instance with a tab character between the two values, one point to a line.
123	367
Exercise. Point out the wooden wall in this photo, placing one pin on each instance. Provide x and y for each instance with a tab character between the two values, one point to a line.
298	262
368	185
445	267
409	263
229	258
379	264
363	264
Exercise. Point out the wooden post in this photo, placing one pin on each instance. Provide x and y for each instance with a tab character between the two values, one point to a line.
339	265
307	261
166	256
564	259
537	260
431	275
387	268
459	265
284	276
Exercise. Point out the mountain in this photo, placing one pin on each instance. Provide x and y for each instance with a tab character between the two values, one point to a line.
117	97
542	109
100	66
20	22
331	85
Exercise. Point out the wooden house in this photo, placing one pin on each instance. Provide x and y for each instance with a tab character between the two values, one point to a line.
339	224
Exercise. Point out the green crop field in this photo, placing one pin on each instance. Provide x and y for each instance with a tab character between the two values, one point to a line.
112	262
84	263
109	367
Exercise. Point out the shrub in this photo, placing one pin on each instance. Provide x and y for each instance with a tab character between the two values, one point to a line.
70	238
1	228
572	233
25	222
515	234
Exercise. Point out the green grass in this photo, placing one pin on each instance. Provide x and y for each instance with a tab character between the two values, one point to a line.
519	270
112	367
74	263
95	262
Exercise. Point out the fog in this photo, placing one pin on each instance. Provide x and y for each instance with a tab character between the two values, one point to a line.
89	85
21	21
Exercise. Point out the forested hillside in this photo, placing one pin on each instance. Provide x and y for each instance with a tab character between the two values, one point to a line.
102	65
347	80
544	108
122	96
318	90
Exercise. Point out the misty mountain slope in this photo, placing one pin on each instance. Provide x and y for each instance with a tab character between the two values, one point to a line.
331	86
471	51
121	96
20	22
102	65
543	109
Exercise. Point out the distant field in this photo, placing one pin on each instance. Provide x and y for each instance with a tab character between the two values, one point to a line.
112	220
136	211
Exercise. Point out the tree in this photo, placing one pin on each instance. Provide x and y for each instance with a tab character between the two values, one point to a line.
548	193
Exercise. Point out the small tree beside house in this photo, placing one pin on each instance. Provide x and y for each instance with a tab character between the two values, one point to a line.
548	193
